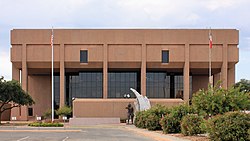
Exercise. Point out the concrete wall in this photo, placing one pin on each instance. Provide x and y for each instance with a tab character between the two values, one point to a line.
40	91
199	82
111	107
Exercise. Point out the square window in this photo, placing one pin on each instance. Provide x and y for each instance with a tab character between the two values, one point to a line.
165	56
83	56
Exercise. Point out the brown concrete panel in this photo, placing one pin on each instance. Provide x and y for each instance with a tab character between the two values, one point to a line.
124	53
93	108
231	77
111	107
40	90
224	68
125	65
217	78
199	53
17	64
166	102
42	53
15	73
143	70
42	65
105	71
62	76
176	53
215	65
233	53
175	65
78	65
16	53
123	36
186	72
95	52
199	82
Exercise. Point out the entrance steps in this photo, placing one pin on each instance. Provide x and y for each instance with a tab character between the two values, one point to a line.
92	121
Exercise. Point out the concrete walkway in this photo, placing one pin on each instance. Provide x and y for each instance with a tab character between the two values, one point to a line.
159	136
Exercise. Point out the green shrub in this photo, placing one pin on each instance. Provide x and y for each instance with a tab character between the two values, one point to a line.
140	119
217	100
237	99
171	123
43	124
232	126
64	111
150	119
153	122
154	116
191	125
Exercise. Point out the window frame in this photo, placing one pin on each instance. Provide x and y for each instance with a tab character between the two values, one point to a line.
83	59
165	59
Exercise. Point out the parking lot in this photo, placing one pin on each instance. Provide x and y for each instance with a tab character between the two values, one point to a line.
72	134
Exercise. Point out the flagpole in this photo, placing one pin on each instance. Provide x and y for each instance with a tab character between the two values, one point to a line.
210	67
52	75
210	58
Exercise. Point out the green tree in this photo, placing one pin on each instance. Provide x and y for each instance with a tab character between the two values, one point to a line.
12	93
64	111
244	85
217	100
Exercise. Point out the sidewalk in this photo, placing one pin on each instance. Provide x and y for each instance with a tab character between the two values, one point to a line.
153	134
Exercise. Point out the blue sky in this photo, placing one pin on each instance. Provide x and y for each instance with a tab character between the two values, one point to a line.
126	14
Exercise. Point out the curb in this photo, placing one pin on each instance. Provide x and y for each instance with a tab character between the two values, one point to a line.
37	130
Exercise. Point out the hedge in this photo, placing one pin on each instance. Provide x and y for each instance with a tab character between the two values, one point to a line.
231	126
171	123
43	124
191	125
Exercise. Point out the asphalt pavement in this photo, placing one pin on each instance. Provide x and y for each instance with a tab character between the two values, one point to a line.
69	134
119	132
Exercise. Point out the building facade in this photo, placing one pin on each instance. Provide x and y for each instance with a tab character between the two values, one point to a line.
94	68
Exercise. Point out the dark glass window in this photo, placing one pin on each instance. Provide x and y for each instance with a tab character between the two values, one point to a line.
119	83
83	56
83	85
30	111
165	85
165	56
158	85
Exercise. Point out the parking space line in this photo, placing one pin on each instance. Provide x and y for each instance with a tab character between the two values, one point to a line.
23	138
65	139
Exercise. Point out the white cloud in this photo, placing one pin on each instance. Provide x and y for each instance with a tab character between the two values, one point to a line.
124	14
5	65
216	4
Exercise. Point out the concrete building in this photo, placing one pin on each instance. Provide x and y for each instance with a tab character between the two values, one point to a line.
98	66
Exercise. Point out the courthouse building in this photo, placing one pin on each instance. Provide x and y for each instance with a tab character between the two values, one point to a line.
94	68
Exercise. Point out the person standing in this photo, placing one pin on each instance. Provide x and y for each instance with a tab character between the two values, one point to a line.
130	113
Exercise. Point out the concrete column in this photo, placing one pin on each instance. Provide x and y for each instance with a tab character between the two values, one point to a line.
15	76
62	76
216	78
105	71
224	66
231	76
143	69
24	109
186	74
15	73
